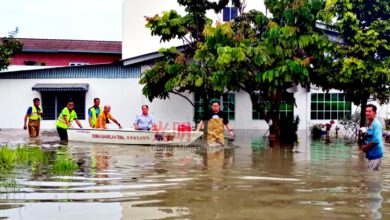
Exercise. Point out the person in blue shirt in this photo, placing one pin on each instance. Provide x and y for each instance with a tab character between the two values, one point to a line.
33	117
145	121
94	112
373	146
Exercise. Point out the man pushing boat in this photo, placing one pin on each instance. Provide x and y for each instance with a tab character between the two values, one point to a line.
216	121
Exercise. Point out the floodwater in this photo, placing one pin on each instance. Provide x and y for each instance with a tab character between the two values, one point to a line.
248	179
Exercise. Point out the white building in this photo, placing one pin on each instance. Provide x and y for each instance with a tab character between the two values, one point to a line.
118	85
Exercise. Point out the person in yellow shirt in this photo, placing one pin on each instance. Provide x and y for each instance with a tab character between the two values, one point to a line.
105	117
65	120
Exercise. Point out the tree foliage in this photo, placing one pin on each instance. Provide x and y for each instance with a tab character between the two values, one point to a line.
255	53
9	46
360	60
177	71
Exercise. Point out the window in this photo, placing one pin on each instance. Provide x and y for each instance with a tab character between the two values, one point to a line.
229	13
261	108
54	102
227	101
327	106
228	105
77	64
34	63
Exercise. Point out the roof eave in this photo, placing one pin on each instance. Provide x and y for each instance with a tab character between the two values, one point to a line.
147	57
26	50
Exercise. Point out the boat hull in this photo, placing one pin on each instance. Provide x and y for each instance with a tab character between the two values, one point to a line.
133	137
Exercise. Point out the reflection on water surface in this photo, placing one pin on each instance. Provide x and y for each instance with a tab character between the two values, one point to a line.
248	179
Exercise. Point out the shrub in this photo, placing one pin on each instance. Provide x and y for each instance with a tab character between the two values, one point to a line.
316	131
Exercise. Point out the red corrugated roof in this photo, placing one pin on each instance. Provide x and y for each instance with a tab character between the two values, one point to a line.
71	45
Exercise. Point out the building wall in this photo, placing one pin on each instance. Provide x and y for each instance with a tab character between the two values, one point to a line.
137	39
63	59
124	96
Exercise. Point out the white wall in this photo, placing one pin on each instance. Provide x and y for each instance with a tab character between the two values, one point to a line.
16	98
243	116
302	107
137	39
124	96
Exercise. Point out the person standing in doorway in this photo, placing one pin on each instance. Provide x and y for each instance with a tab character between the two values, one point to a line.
373	146
94	112
34	117
65	120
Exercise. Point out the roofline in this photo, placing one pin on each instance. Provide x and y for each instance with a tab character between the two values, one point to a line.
63	67
325	27
29	38
69	51
155	55
148	57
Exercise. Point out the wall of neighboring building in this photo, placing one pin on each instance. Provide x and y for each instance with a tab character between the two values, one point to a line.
137	39
63	59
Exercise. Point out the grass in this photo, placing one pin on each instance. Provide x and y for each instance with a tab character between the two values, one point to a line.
9	185
36	159
7	158
22	155
64	165
33	159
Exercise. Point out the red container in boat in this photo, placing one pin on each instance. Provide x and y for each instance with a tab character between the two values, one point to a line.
184	127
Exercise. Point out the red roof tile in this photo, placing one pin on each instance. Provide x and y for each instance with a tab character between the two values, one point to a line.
33	44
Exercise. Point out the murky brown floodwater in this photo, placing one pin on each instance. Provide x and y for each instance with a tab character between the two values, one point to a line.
247	180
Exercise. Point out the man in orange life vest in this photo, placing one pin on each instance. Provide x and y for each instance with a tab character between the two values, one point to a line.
104	118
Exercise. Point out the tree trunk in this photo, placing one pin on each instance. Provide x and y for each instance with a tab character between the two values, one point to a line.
274	129
205	112
362	118
363	112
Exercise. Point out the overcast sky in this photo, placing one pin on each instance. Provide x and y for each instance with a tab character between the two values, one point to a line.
62	19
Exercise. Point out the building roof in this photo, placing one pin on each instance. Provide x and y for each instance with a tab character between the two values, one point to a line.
70	46
148	57
110	71
60	87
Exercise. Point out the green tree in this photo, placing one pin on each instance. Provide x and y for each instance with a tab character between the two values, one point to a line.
177	71
254	53
359	61
9	46
292	43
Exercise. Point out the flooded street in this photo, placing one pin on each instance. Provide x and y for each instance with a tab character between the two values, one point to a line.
248	179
